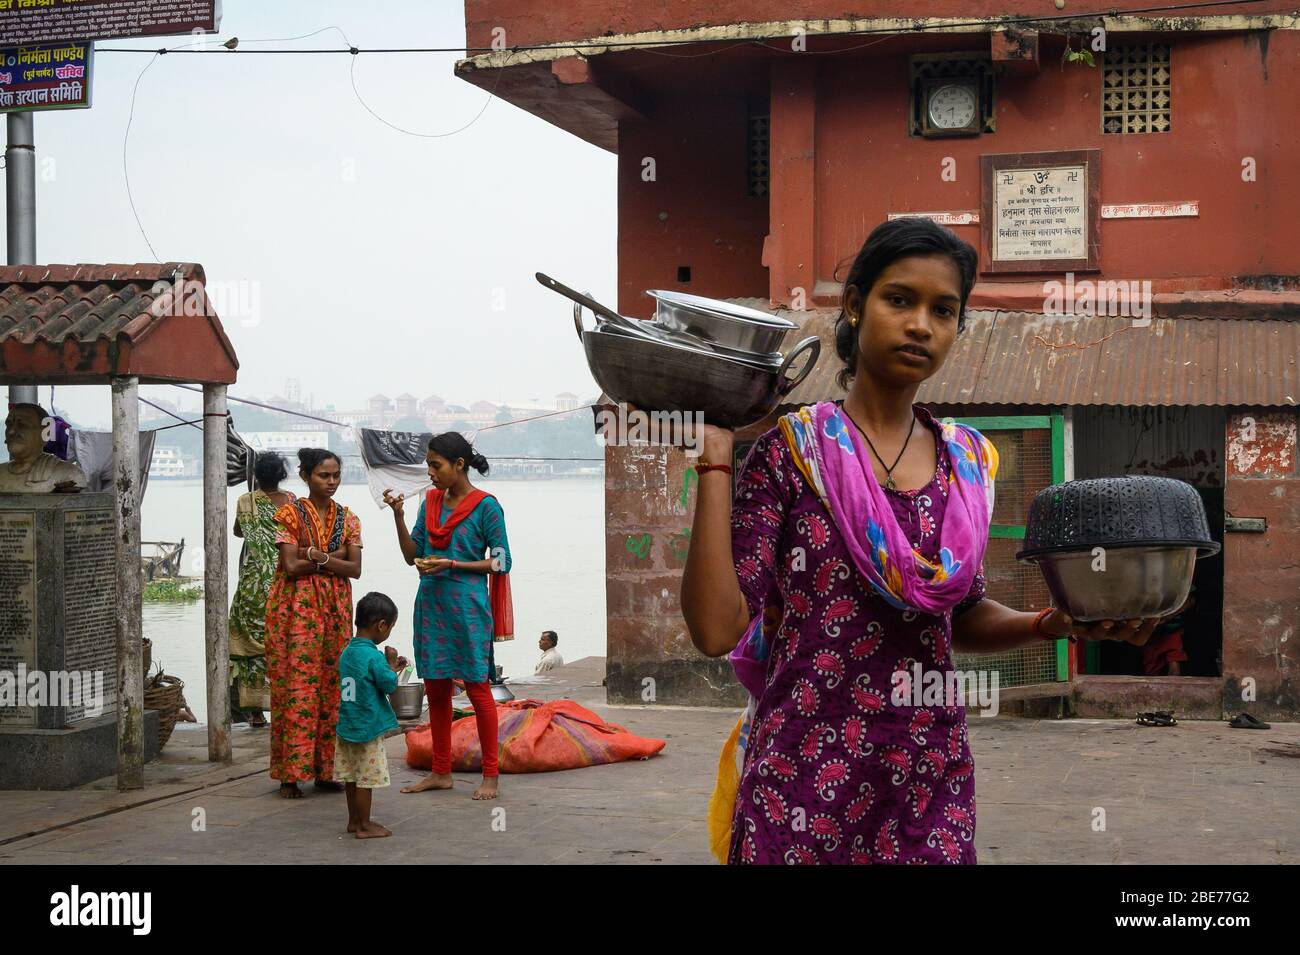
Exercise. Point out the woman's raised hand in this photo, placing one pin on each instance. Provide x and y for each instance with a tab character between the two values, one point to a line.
394	501
717	444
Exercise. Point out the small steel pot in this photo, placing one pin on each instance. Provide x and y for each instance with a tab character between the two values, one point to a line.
723	324
408	700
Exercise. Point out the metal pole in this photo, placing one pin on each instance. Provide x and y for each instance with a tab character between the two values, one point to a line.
130	646
216	608
20	209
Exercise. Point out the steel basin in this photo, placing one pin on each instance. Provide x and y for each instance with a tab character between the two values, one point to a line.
408	700
1137	582
655	376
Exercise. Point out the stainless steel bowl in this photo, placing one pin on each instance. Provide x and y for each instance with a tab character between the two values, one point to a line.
655	376
724	324
646	329
408	700
687	343
1137	582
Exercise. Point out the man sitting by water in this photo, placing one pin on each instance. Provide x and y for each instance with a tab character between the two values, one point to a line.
550	656
30	470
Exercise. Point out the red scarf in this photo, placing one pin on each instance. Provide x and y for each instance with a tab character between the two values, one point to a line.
503	613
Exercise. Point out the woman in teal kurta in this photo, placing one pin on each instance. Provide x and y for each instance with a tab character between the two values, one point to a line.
455	551
453	620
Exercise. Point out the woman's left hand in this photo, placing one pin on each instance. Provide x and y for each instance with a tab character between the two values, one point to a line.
434	566
1136	632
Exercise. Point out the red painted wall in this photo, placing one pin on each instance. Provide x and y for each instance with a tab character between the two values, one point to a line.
1261	579
546	21
696	212
842	161
1230	100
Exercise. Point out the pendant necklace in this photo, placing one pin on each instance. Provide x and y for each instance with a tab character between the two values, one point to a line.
889	469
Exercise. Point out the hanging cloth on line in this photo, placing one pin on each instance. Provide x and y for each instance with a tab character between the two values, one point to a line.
92	451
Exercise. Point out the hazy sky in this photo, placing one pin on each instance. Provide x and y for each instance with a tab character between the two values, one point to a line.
374	259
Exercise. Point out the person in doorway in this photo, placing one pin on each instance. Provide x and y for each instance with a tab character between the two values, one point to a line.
308	622
365	715
858	531
460	548
550	656
1163	654
255	523
30	469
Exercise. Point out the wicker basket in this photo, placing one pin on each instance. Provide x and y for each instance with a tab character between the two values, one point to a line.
163	693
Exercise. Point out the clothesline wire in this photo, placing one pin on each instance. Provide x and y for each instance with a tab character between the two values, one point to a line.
179	424
197	423
500	457
339	424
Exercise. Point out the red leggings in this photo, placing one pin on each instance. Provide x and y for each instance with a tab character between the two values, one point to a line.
485	716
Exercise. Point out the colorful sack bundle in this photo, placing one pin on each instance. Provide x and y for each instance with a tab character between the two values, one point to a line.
536	737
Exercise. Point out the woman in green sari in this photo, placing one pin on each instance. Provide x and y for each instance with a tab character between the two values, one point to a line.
255	523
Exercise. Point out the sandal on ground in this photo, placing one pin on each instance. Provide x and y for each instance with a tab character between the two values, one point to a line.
1156	718
1244	721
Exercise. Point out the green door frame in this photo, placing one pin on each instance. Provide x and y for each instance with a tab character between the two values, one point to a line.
1056	422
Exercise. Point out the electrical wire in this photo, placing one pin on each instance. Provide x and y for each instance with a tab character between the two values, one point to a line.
352	79
126	138
685	41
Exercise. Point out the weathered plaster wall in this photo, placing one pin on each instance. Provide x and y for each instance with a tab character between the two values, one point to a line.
1261	600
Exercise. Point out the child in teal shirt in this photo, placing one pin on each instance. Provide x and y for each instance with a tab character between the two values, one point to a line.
365	716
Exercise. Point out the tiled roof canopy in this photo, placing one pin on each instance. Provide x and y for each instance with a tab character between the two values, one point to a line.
85	324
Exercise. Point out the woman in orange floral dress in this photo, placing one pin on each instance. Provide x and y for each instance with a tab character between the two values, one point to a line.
308	623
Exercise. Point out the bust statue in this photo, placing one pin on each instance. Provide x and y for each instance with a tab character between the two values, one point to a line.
30	470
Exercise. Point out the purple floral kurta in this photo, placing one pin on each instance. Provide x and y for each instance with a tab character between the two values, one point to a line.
834	771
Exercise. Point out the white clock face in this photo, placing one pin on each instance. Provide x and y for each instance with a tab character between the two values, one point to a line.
952	107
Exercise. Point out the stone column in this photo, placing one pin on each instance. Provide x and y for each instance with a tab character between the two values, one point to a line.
216	606
130	647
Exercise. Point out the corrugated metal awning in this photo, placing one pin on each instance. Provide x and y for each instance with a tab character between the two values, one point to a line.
1013	358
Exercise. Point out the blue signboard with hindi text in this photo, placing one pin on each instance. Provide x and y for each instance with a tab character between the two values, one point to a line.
53	76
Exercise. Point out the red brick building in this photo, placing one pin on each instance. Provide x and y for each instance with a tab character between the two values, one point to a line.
760	141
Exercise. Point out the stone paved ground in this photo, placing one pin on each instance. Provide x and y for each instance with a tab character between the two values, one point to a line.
1196	793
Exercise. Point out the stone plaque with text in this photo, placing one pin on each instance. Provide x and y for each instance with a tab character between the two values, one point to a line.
89	628
1041	211
17	607
58	594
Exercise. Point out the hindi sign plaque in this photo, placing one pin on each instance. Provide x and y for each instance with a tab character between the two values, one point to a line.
29	22
1041	211
46	77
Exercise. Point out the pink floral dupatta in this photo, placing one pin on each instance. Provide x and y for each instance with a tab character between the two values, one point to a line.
831	454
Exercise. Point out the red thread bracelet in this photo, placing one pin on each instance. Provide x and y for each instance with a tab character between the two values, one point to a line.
705	468
1038	624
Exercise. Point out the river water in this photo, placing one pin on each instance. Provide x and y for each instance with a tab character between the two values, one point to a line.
556	530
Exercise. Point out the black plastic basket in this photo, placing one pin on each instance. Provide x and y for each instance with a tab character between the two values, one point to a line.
1131	511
